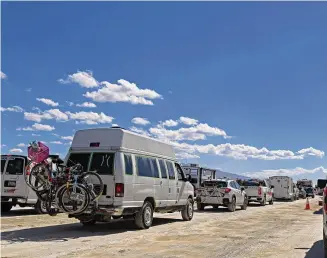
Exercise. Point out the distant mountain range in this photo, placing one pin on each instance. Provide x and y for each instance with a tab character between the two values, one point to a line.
220	173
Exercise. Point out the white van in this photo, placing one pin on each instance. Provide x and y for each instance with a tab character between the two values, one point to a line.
140	175
14	189
284	188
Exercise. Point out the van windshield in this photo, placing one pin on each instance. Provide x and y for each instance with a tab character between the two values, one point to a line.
15	166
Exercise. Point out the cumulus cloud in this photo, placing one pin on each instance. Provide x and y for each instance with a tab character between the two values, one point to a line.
48	102
116	125
68	138
28	89
21	145
285	172
311	152
84	79
37	127
124	91
139	131
87	105
3	75
188	121
55	114
34	134
14	150
69	103
197	132
140	121
12	109
56	142
3	145
169	123
90	118
184	155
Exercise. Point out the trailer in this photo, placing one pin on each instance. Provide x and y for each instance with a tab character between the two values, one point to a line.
198	174
284	188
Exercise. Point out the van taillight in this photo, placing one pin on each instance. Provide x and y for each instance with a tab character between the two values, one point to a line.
259	191
119	190
227	190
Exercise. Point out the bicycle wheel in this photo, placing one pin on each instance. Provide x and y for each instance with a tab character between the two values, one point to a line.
39	178
93	182
74	199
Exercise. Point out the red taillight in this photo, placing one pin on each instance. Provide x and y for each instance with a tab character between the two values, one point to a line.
227	190
259	191
119	190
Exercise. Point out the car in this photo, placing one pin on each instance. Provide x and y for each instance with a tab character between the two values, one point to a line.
258	190
309	192
140	175
324	221
221	192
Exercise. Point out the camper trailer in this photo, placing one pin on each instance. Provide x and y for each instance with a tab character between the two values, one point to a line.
284	188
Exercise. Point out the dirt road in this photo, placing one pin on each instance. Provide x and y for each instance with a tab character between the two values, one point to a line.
280	230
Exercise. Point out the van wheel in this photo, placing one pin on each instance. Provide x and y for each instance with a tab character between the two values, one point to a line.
199	206
245	204
6	206
188	210
144	218
40	207
232	205
263	203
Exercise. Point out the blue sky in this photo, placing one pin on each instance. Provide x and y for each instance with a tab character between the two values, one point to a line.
244	84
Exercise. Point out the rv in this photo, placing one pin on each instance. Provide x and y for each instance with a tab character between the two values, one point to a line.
284	188
198	174
14	189
140	176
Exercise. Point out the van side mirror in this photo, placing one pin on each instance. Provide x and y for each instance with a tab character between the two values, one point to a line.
271	186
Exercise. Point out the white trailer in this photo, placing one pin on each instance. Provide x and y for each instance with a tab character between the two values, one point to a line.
283	187
198	174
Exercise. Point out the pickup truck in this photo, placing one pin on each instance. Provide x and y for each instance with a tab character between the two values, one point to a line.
258	191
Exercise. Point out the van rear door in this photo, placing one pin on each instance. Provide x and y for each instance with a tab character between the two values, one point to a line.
13	181
101	162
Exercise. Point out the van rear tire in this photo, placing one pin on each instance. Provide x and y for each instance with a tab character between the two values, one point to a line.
6	206
144	218
188	210
40	207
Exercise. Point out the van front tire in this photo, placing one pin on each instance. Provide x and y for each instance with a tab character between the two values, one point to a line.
144	218
6	206
188	210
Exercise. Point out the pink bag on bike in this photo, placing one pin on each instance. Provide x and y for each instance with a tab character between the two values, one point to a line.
38	155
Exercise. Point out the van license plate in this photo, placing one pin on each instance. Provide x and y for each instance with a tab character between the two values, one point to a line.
77	197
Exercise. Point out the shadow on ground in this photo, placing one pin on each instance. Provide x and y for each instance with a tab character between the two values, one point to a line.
316	251
318	211
62	233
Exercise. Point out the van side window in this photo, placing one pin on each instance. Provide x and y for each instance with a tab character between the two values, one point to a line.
154	167
102	163
15	166
128	164
171	171
180	173
82	158
163	169
143	166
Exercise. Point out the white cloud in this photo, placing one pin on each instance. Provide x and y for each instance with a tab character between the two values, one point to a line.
69	138
169	123
84	79
48	102
311	152
184	155
87	104
140	121
116	125
197	132
28	89
124	91
3	75
12	109
69	103
34	134
56	142
285	172
21	145
14	150
90	118
188	121
3	145
37	127
46	115
139	131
